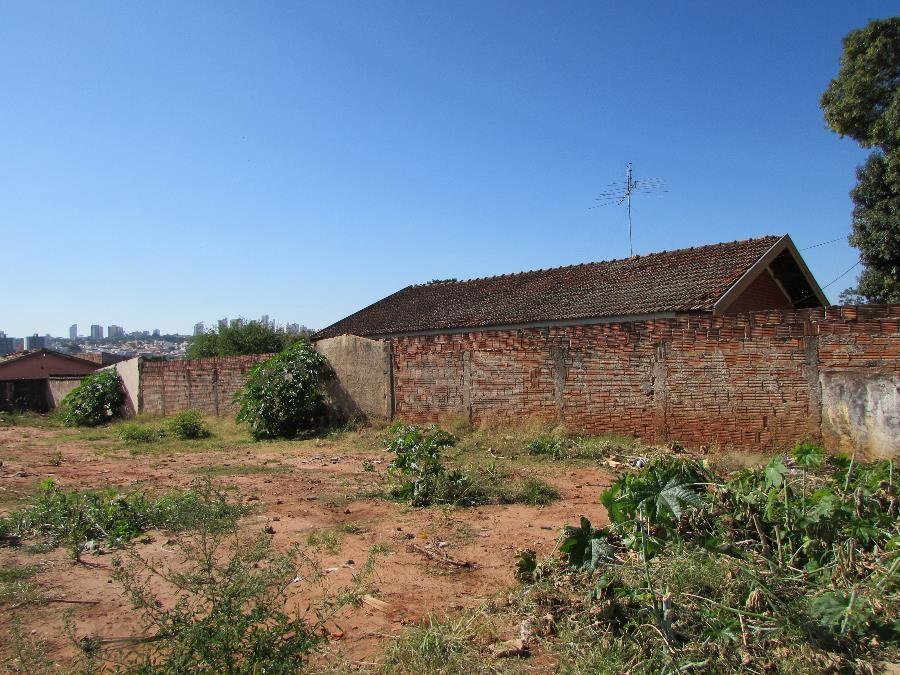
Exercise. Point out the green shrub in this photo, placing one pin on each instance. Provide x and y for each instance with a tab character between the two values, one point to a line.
188	425
283	395
138	433
96	400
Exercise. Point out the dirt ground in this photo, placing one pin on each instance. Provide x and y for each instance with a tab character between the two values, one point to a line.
297	489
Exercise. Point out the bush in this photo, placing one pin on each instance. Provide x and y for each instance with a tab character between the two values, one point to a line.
138	433
96	400
283	395
188	425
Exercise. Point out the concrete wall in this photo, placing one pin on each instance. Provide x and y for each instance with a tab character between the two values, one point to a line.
130	372
362	384
761	381
59	387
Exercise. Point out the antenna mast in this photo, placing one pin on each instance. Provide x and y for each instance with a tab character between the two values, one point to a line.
619	193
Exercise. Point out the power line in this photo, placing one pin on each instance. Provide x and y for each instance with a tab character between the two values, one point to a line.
823	243
842	274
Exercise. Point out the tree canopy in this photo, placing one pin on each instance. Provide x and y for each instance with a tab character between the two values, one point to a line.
863	102
241	337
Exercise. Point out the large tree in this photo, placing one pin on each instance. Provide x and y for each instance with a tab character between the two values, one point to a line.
242	337
863	102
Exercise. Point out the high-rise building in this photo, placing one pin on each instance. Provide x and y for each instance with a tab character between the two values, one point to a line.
155	332
19	345
73	331
223	323
96	331
7	344
264	320
292	328
198	328
115	331
35	342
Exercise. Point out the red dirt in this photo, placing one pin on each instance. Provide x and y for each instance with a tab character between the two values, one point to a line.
317	493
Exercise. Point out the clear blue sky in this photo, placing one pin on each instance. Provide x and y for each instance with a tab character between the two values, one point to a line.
163	163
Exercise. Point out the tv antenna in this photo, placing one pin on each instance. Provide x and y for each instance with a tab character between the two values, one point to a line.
621	192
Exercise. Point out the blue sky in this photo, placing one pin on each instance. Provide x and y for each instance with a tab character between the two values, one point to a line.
169	162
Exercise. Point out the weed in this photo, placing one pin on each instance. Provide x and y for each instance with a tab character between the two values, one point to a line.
55	459
29	653
549	446
442	646
351	528
188	425
729	571
229	615
536	492
138	433
82	519
16	589
421	479
327	540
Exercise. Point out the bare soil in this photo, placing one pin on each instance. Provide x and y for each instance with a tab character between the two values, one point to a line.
297	489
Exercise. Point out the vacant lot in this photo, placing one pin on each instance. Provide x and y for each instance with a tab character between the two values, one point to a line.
457	565
321	494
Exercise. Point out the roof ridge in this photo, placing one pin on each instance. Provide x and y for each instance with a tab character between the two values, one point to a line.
440	282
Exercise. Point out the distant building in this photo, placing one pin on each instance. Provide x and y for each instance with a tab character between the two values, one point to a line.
292	328
35	342
7	344
223	323
115	332
96	332
198	328
73	331
19	345
155	332
264	320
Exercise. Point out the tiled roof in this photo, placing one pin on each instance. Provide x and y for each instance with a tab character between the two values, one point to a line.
689	279
15	356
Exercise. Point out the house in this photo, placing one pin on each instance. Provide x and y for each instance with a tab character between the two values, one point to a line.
40	378
739	276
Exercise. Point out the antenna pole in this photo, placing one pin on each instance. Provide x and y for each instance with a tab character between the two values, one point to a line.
629	187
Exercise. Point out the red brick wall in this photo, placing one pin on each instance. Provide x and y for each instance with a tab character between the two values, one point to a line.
738	380
763	293
207	385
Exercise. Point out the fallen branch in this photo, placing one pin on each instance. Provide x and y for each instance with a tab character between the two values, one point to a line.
434	555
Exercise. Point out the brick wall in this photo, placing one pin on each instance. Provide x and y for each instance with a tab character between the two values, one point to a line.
763	293
752	380
207	385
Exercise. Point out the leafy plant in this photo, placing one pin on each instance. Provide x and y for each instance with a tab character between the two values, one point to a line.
586	547
98	399
283	395
188	425
417	465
